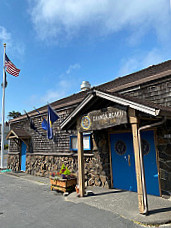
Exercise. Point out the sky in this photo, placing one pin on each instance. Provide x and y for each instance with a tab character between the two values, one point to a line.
57	44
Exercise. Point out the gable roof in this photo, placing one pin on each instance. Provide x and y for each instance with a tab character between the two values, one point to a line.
145	107
143	76
17	134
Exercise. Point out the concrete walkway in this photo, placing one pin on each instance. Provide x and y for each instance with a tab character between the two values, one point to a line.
123	203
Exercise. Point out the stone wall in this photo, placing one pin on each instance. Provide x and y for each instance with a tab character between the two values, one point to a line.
97	164
14	162
100	172
164	150
42	165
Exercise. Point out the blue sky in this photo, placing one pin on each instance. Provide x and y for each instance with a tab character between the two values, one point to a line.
59	43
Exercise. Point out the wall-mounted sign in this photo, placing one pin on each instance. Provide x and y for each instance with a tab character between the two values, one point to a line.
85	122
86	142
100	119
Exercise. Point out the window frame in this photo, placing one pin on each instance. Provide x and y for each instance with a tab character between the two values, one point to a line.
72	137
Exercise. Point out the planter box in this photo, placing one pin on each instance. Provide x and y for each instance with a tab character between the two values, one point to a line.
64	185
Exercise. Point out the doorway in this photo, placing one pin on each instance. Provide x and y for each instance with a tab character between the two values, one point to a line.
123	162
23	156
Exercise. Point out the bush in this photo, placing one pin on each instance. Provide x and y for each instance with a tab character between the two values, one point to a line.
6	147
63	174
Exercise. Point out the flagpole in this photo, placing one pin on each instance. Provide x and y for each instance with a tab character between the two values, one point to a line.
3	112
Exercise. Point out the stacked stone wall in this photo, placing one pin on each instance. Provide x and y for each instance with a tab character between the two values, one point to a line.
97	164
14	162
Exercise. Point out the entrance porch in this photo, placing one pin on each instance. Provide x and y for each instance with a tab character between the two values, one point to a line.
113	116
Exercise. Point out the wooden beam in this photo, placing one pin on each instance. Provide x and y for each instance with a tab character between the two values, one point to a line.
81	177
12	137
134	125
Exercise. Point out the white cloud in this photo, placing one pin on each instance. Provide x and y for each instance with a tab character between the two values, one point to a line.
58	92
12	45
142	60
128	66
58	18
5	37
153	57
72	67
64	85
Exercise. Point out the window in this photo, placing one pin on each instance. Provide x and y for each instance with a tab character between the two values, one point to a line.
86	142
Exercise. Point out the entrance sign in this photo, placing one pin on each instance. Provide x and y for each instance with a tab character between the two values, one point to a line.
100	119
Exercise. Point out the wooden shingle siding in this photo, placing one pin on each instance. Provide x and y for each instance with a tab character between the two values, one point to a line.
40	143
158	92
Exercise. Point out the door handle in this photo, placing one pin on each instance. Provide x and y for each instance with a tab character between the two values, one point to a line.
129	160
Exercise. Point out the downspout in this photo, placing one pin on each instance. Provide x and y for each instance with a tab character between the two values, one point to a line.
142	162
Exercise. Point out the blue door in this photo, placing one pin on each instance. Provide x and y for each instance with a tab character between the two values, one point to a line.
123	162
150	164
23	156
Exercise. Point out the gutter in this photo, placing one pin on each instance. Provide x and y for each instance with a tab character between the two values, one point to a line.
142	162
126	102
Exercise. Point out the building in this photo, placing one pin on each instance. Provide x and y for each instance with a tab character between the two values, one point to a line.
125	127
6	130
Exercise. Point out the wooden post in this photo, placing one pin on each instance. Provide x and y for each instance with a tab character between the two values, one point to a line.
81	164
134	124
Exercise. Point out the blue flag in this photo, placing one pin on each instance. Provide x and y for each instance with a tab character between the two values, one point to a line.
44	122
52	117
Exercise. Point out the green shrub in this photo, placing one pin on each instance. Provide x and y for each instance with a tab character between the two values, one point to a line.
6	147
63	168
67	172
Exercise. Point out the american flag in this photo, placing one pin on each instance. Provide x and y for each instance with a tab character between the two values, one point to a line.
10	67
